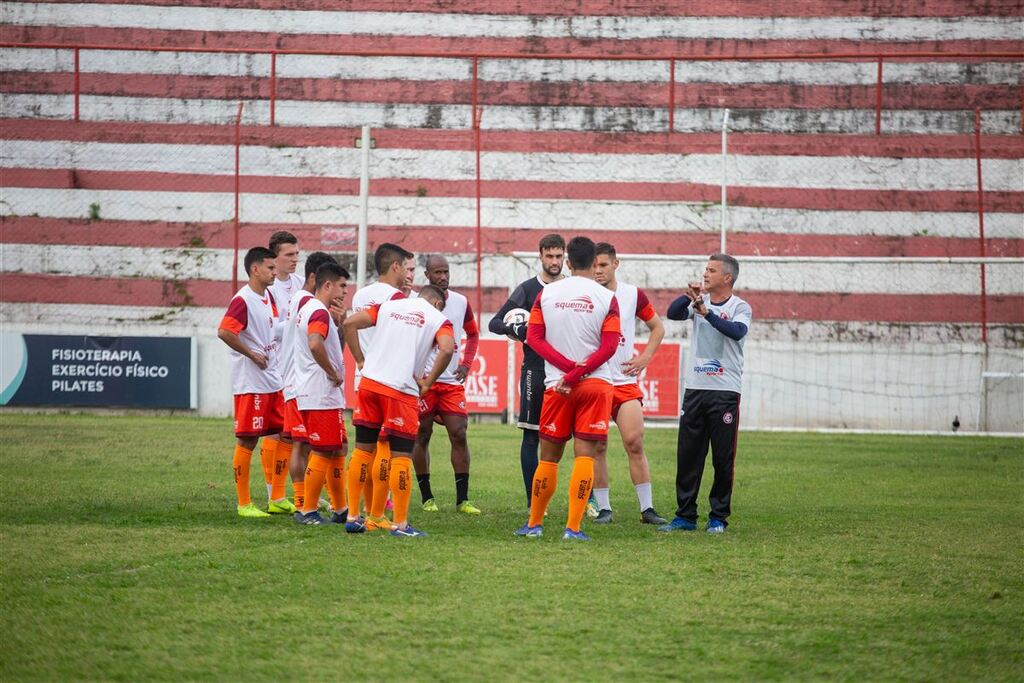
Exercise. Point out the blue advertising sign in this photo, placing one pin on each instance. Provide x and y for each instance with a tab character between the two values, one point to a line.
127	372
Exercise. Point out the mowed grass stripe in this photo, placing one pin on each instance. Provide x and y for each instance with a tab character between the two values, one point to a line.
854	557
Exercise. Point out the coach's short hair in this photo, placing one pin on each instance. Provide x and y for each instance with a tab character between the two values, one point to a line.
552	241
730	266
431	292
604	248
387	254
580	253
256	255
315	260
281	237
329	272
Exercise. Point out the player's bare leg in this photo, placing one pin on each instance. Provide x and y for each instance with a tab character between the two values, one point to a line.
630	420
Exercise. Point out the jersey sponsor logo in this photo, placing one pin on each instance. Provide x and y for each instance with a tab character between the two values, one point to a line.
599	425
580	304
727	418
712	367
416	319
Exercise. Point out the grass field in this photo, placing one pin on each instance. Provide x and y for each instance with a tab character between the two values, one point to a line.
849	557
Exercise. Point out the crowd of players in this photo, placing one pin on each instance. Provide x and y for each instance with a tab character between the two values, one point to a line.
413	351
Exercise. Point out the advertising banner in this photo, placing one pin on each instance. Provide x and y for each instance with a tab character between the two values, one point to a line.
126	372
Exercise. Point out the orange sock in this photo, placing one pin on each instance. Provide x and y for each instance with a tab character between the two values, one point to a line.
336	484
379	476
240	464
545	479
268	452
316	473
279	474
358	480
580	483
300	490
401	487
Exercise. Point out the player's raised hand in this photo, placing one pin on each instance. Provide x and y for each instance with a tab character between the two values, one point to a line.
337	309
259	359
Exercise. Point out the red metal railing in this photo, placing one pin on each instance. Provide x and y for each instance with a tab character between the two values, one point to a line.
879	58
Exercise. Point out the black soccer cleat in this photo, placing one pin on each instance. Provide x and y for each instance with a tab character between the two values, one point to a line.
603	517
651	516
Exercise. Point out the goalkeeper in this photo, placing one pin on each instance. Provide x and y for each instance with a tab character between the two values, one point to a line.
531	375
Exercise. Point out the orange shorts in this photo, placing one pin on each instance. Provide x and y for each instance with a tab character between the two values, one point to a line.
624	393
381	407
444	399
293	427
325	429
259	414
582	414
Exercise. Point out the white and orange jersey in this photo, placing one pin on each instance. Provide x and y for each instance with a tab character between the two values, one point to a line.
575	312
460	314
289	338
284	290
633	303
373	294
313	390
407	330
251	317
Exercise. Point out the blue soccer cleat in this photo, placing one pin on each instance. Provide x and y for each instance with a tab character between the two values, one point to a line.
355	526
570	535
408	532
715	526
530	531
311	519
679	524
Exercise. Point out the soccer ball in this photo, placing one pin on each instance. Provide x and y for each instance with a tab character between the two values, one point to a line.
515	317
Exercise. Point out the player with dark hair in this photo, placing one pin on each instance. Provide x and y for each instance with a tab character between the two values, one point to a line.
275	451
446	399
627	400
294	429
248	330
320	395
395	269
407	329
574	326
512	323
711	402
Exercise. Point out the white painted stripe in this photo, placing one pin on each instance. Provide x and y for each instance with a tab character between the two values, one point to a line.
561	215
405	68
797	172
301	113
498	271
486	25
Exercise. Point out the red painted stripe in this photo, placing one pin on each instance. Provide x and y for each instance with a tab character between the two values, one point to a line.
519	93
694	8
423	239
923	146
905	308
468	46
775	197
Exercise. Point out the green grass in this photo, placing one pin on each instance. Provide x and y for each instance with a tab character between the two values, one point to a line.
849	557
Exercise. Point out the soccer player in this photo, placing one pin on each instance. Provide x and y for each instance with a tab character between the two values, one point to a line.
275	451
711	401
248	330
574	326
319	394
294	429
531	374
446	399
395	268
392	384
627	400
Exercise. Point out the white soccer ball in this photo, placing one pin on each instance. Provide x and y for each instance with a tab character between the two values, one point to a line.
515	317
